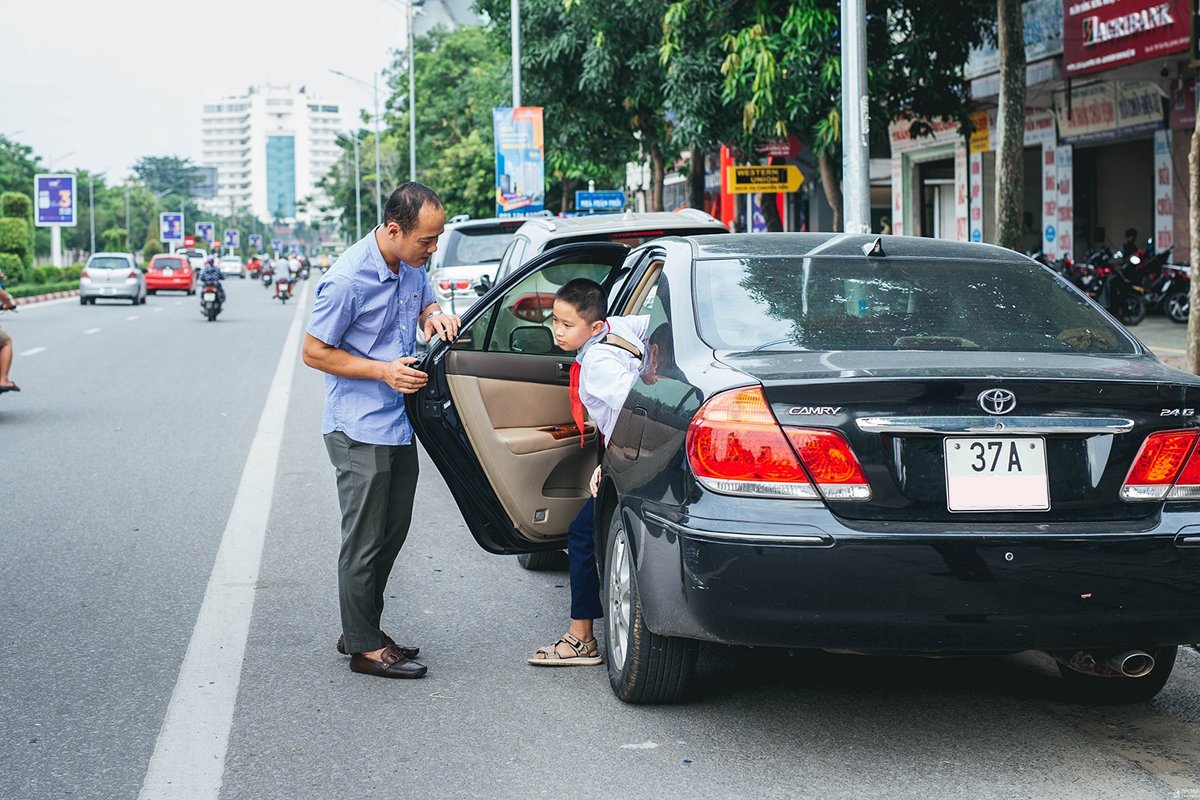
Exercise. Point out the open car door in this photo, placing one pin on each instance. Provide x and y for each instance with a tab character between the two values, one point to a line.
495	415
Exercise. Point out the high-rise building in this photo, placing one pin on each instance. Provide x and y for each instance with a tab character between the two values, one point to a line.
270	146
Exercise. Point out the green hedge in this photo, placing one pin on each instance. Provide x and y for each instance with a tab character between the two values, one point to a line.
14	237
15	204
38	277
10	264
29	289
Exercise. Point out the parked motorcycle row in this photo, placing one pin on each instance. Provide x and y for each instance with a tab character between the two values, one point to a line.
1130	285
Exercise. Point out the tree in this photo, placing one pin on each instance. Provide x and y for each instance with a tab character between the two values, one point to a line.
1010	122
169	175
783	71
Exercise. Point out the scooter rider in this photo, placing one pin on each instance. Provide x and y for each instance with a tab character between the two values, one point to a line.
211	276
283	272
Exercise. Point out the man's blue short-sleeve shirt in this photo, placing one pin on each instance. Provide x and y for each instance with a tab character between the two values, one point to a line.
364	308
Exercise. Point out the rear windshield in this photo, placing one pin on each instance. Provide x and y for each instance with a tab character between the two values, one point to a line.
469	246
168	263
108	262
901	304
229	260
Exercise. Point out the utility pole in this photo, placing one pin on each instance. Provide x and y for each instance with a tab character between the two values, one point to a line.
412	99
516	52
127	222
378	163
856	124
91	212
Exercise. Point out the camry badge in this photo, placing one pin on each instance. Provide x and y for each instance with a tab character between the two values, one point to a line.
997	401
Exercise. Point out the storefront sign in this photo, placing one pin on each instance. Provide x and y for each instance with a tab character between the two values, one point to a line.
1043	38
55	200
961	196
976	169
1103	34
1164	192
520	160
897	195
981	132
1108	111
1049	199
751	179
1065	217
943	131
780	147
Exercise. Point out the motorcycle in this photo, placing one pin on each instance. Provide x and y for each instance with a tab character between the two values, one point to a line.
1105	282
268	276
210	301
253	268
284	286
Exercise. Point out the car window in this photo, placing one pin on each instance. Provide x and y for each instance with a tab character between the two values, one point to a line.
899	304
229	260
476	245
168	263
108	262
513	257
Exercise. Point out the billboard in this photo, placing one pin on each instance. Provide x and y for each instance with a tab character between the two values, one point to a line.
232	238
1100	36
256	242
55	200
205	231
520	160
170	226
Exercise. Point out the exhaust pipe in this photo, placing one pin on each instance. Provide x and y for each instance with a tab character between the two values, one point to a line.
1123	664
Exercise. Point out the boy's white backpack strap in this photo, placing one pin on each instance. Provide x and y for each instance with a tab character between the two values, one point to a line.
628	347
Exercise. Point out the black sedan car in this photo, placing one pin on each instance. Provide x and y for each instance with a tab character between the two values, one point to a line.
892	445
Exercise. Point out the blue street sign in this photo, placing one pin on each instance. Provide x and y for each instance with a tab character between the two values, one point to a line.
609	200
205	230
977	235
256	242
231	237
1050	233
55	200
170	226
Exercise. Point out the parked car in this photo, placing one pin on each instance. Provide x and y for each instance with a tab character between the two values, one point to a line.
538	235
468	250
232	265
170	272
111	275
841	442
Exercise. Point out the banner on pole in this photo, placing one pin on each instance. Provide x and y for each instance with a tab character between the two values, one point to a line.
55	200
520	160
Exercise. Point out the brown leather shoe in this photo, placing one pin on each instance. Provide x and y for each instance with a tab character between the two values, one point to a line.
390	664
407	652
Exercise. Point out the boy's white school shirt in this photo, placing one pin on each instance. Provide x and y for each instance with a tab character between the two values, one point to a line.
607	373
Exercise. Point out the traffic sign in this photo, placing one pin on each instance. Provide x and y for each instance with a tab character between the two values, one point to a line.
55	200
231	238
170	226
746	180
205	231
256	242
609	200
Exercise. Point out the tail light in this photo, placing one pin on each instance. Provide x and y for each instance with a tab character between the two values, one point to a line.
462	284
735	446
85	274
1159	464
445	286
536	307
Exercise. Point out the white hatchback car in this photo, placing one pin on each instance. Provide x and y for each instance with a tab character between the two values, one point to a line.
232	265
115	276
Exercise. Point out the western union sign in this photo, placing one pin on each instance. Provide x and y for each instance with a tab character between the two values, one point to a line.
744	180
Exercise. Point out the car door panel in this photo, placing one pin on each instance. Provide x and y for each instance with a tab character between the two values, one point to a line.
498	424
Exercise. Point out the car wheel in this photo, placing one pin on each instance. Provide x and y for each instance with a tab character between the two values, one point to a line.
152	291
1133	310
83	301
1094	690
543	561
643	667
1176	306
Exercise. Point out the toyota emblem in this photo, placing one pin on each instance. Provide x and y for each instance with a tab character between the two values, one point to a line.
997	401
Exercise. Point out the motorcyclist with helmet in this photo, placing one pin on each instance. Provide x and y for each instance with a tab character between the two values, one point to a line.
211	276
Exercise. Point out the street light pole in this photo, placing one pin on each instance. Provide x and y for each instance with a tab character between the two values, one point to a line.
412	100
856	182
127	222
91	212
378	163
516	52
357	190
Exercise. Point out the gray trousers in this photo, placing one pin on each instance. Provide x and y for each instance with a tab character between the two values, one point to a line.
376	485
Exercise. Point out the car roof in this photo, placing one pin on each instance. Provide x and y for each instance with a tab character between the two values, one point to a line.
553	227
780	245
231	258
486	222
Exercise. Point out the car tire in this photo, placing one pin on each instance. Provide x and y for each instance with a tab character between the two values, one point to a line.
543	561
1133	310
1176	306
83	301
152	291
643	667
1093	690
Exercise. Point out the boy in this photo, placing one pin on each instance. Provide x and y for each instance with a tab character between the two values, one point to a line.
608	361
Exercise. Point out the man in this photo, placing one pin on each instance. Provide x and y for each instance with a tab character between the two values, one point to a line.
362	334
6	346
211	275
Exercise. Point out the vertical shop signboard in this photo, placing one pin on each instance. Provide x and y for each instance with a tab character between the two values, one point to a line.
1066	201
976	162
520	160
1164	203
962	208
1049	200
898	194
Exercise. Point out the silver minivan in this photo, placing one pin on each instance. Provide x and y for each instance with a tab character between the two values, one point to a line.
111	275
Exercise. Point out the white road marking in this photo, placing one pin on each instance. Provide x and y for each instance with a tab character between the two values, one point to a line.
131	317
189	756
90	331
33	351
158	310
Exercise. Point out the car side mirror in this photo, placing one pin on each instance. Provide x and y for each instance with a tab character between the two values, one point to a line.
485	284
534	339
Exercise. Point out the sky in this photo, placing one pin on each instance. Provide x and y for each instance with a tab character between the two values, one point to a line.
97	85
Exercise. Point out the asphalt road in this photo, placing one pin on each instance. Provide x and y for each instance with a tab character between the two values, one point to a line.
123	457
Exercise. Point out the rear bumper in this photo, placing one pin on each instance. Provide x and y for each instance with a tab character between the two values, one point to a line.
822	586
109	290
169	284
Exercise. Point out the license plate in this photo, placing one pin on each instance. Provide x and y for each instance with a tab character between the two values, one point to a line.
107	290
168	273
996	474
210	297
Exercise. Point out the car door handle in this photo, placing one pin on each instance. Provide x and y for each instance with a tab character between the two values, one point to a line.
564	367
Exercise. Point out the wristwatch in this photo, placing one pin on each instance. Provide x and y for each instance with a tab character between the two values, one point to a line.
436	312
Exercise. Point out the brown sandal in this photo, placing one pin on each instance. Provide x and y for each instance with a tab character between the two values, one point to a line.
583	654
